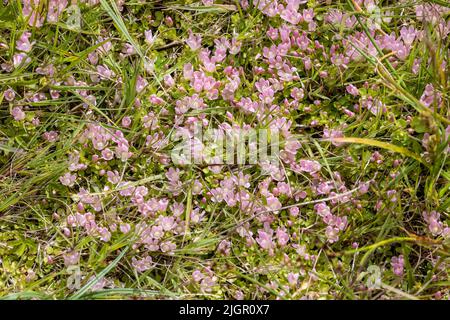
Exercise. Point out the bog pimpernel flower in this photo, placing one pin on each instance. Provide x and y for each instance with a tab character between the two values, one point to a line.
206	145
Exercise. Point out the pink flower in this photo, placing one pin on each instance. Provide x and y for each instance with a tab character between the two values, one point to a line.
434	224
50	136
55	8
149	37
154	99
23	43
18	113
264	240
322	209
20	59
9	94
416	65
332	134
122	152
431	96
282	236
107	154
273	203
188	71
105	72
235	46
126	121
194	41
308	15
293	278
352	90
105	47
392	195
141	83
168	246
125	227
68	179
167	223
104	234
332	234
93	57
397	264
142	265
168	80
297	93
197	275
310	166
408	34
291	16
71	258
113	176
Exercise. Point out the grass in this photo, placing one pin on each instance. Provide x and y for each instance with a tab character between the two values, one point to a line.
400	155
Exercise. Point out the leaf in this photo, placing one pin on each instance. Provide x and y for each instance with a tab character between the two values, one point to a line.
380	144
419	125
114	13
91	283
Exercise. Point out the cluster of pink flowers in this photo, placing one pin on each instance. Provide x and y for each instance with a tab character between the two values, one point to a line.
397	264
435	225
334	223
30	10
304	87
205	278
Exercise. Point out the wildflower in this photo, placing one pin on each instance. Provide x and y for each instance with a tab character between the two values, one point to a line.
224	247
273	203
235	47
397	264
434	224
168	246
93	57
282	236
9	94
141	83
18	113
154	99
20	59
105	72
107	154
125	227
430	96
408	34
149	37
291	15
105	47
126	121
23	43
332	134
71	258
105	235
293	278
310	166
264	239
392	195
297	93
55	8
168	80
332	234
122	152
351	89
194	41
68	179
142	265
416	66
